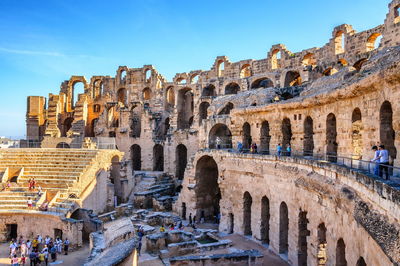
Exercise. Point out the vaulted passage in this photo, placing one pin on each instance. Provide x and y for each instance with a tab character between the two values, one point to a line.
322	245
221	132
185	108
262	83
227	109
135	123
308	141
66	126
286	132
386	131
209	91
247	202
302	242
246	136
232	88
292	78
361	262
341	253
331	133
283	229
265	216
122	97
158	158
181	160
356	134
136	157
265	138
207	190
203	111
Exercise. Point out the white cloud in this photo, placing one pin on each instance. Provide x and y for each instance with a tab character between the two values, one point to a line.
29	52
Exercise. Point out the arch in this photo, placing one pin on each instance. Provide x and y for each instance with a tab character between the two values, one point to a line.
208	91
329	71
247	202
340	42
62	145
322	256
276	59
308	142
246	136
292	78
146	94
93	127
262	83
194	79
203	111
227	109
265	137
341	253
245	71
283	229
373	41
77	88
158	157
122	76
232	88
115	177
97	89
112	134
220	68
386	131
342	62
136	157
231	223
208	194
147	75
167	126
302	239
286	132
309	60
265	217
96	108
185	108
356	134
170	97
122	96
331	134
361	262
180	160
358	65
181	80
223	133
66	126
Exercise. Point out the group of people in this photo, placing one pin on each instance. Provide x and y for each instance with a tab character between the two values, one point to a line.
381	161
38	250
287	152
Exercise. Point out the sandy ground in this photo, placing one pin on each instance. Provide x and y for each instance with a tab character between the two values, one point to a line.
75	258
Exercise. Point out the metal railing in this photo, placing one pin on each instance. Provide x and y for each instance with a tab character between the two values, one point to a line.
76	143
374	169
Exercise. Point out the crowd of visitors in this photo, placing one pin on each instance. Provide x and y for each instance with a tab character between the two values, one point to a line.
38	251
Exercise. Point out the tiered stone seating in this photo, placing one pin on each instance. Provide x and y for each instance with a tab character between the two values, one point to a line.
55	170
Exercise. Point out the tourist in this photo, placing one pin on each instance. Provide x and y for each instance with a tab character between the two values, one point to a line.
254	147
202	218
240	146
279	149
46	255
288	150
180	225
162	229
35	244
28	245
32	258
139	246
194	219
39	193
218	142
8	185
41	259
29	202
375	160
33	183
172	227
66	246
22	260
190	219
47	240
30	184
53	253
59	245
24	249
383	162
13	248
15	260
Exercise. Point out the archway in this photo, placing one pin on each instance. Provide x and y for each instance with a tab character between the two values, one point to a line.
227	109
308	142
331	133
264	138
292	78
185	108
322	245
122	96
66	126
309	60
208	91
302	241
361	262
223	133
245	71
246	136
170	97
356	134
283	229
265	216
203	111
116	179
207	189
62	145
232	88
286	132
339	42
276	59
147	94
386	131
136	157
341	253
158	158
262	83
373	41
77	88
247	202
181	160
231	223
358	65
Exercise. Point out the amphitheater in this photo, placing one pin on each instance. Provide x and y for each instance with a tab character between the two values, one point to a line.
137	150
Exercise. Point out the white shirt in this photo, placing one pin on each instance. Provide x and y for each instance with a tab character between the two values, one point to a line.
376	156
384	156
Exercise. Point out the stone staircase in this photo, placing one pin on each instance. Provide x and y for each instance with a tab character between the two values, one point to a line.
56	171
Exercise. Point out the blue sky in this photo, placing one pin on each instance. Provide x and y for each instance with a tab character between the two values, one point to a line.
44	42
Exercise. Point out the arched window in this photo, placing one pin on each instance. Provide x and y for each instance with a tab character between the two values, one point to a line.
374	41
356	134
185	108
329	71
276	59
158	158
340	41
147	75
264	137
245	71
123	76
361	262
331	134
397	14
322	245
181	81
262	83
283	229
358	65
265	217
122	97
341	253
77	88
292	78
209	90
232	88
171	96
309	60
203	111
96	108
136	157
222	132
227	109
302	239
181	160
194	79
146	94
220	68
286	133
386	130
308	143
247	202
246	136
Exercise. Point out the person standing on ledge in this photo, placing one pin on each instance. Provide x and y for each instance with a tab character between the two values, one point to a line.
375	160
288	150
383	162
218	142
279	149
